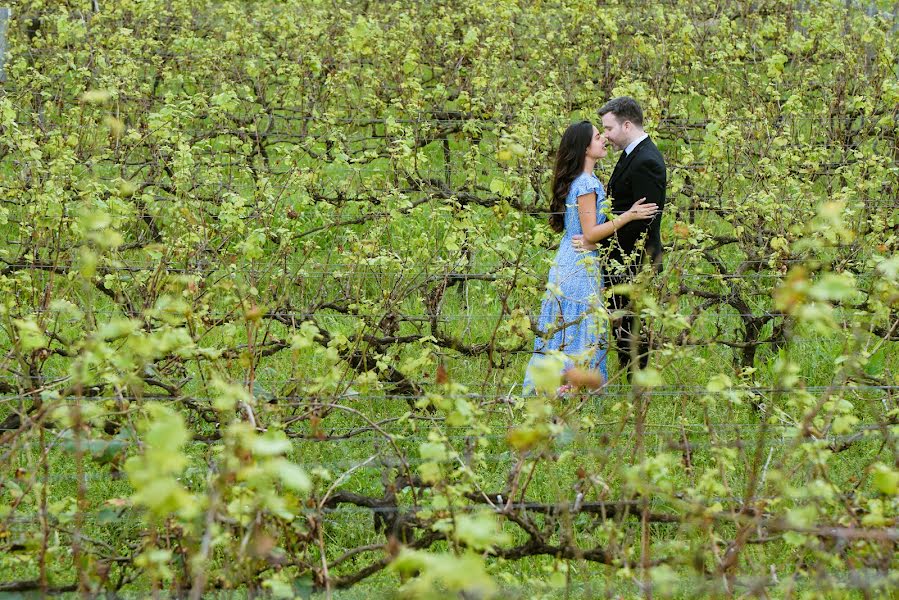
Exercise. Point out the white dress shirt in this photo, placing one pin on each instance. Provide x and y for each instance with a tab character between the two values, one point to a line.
635	143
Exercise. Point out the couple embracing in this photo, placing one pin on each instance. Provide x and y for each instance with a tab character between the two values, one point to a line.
597	251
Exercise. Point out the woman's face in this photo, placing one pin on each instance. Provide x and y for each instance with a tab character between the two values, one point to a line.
597	147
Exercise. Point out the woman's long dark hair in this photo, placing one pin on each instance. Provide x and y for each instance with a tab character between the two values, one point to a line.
569	164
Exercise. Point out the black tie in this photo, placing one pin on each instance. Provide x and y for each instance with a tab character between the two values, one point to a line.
617	169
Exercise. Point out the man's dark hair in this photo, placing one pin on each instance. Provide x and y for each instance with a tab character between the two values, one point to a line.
624	108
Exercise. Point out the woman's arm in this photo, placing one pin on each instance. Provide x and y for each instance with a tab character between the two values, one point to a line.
593	232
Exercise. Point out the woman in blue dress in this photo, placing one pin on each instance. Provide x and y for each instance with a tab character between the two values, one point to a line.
572	315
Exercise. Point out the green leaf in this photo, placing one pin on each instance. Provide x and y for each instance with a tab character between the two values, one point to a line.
118	328
228	395
479	531
435	451
718	383
500	187
648	377
525	438
31	336
306	337
546	373
271	443
876	364
432	571
96	96
890	268
278	588
885	479
292	476
833	286
665	580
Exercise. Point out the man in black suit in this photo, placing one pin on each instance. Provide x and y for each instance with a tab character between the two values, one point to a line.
640	173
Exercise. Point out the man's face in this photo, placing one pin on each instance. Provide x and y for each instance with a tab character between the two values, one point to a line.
617	133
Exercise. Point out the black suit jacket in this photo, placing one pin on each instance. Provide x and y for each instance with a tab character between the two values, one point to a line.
638	175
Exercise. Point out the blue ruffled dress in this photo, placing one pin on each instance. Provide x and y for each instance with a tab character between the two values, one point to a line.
573	319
